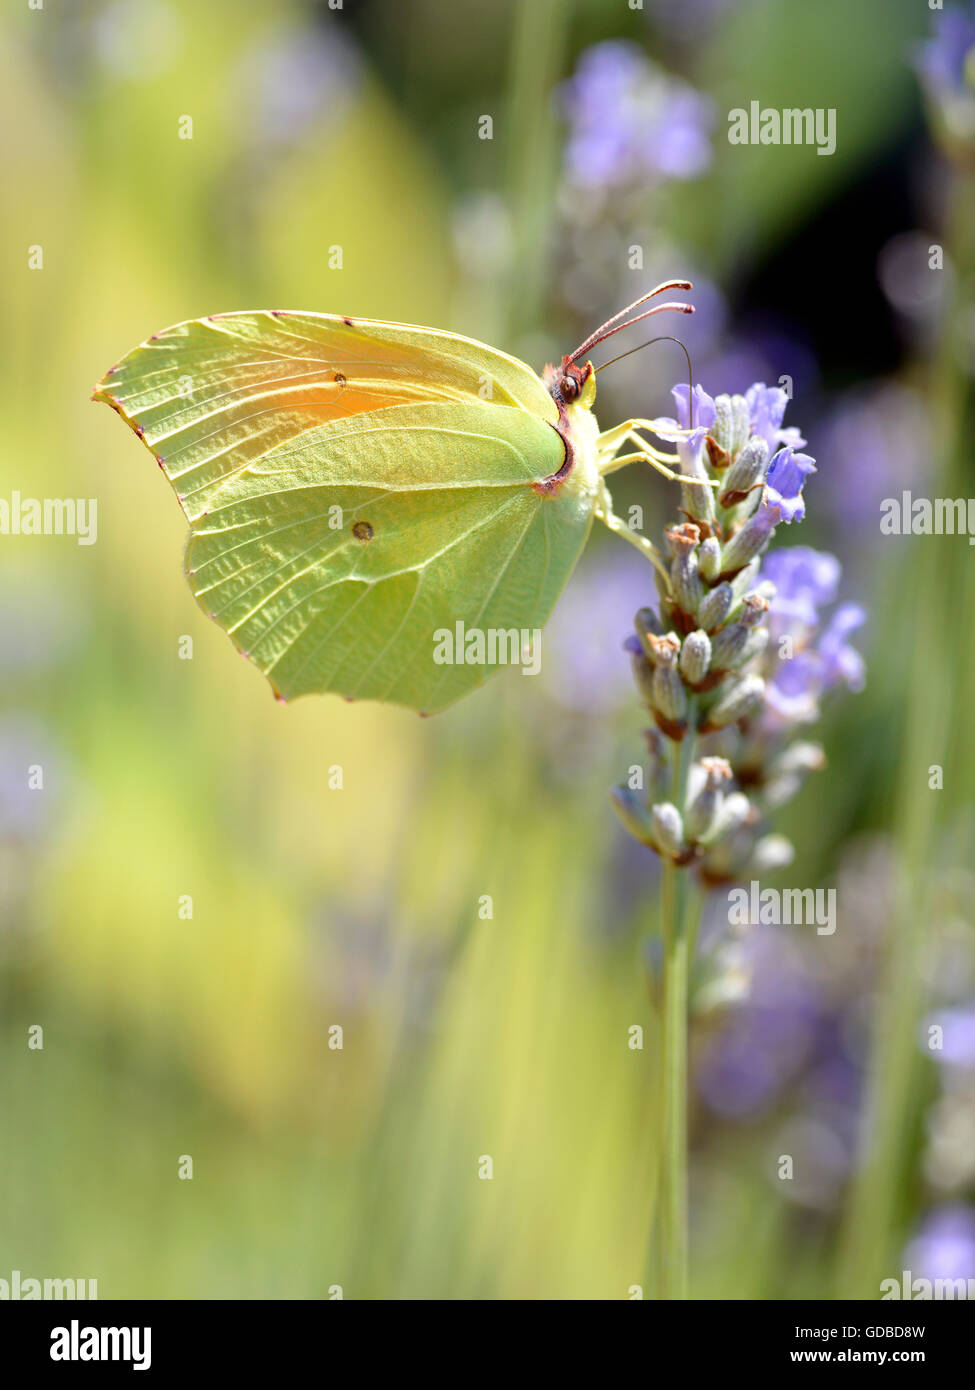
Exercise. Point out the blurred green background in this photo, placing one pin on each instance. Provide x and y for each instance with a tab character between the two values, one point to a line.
315	905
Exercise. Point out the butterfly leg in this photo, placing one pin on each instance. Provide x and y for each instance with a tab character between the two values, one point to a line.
616	524
611	441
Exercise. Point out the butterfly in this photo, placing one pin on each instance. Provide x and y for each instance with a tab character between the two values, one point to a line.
355	488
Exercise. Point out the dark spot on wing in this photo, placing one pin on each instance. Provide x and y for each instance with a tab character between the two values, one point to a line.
340	380
363	531
346	321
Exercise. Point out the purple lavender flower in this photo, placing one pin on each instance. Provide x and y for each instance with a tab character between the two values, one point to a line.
805	580
630	122
946	61
944	1247
703	407
787	473
840	663
946	66
690	447
766	406
819	664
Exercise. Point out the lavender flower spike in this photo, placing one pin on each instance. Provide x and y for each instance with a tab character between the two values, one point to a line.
713	666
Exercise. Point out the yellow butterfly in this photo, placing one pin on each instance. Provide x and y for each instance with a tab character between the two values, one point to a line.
354	487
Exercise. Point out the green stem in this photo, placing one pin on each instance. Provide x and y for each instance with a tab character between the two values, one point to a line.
674	896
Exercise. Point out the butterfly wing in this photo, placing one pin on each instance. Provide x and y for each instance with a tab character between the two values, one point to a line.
354	489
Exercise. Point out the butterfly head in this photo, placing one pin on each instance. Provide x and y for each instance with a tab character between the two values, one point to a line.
571	384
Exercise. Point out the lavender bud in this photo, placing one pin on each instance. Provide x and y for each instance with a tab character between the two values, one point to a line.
683	537
754	608
668	828
669	695
706	805
741	424
802	756
684	577
647	624
742	582
778	790
632	811
748	469
663	651
772	852
695	656
732	815
727	646
709	558
789	770
643	676
730	645
755	644
697	500
732	423
715	606
746	543
721	429
742	699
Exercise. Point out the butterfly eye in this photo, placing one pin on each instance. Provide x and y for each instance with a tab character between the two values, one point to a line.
362	530
570	379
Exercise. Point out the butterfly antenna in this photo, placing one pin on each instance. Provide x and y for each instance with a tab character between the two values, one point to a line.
666	338
607	329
